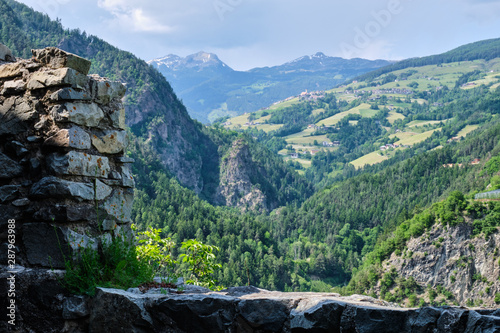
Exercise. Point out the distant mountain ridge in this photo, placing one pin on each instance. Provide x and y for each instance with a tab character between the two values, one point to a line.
198	60
211	89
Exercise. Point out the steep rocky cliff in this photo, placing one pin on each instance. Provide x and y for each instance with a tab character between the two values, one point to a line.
452	258
239	180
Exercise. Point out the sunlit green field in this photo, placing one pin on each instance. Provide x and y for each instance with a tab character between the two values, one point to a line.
363	110
307	139
369	159
466	130
393	116
406	139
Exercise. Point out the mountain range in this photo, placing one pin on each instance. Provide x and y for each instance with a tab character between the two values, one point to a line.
211	89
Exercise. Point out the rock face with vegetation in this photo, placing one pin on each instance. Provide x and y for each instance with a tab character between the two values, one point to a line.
239	174
459	266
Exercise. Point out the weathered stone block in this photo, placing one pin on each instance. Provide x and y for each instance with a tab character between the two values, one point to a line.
75	307
119	204
78	163
6	53
424	319
317	314
8	71
63	213
9	192
75	137
70	94
78	241
108	225
13	87
127	177
132	316
8	167
79	113
57	58
110	142
195	313
371	319
45	245
53	187
118	118
104	91
264	314
57	77
15	115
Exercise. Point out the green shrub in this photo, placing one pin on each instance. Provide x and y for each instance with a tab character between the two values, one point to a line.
116	265
201	262
157	252
412	300
120	263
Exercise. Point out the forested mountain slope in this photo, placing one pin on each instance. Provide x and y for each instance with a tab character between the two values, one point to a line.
320	243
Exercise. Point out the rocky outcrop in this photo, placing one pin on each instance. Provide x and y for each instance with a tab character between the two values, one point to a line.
63	173
465	265
239	180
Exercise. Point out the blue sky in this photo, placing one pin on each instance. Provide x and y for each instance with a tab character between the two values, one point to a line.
256	33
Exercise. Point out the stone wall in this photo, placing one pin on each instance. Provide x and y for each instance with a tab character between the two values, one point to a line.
249	309
64	177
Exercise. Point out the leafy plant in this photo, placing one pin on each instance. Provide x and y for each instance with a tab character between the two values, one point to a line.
201	262
156	251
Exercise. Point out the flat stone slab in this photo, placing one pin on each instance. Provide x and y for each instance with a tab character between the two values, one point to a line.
70	94
79	164
74	137
57	77
57	58
53	187
110	142
15	115
79	113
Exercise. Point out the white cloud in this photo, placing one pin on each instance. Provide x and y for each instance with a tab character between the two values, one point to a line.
131	16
